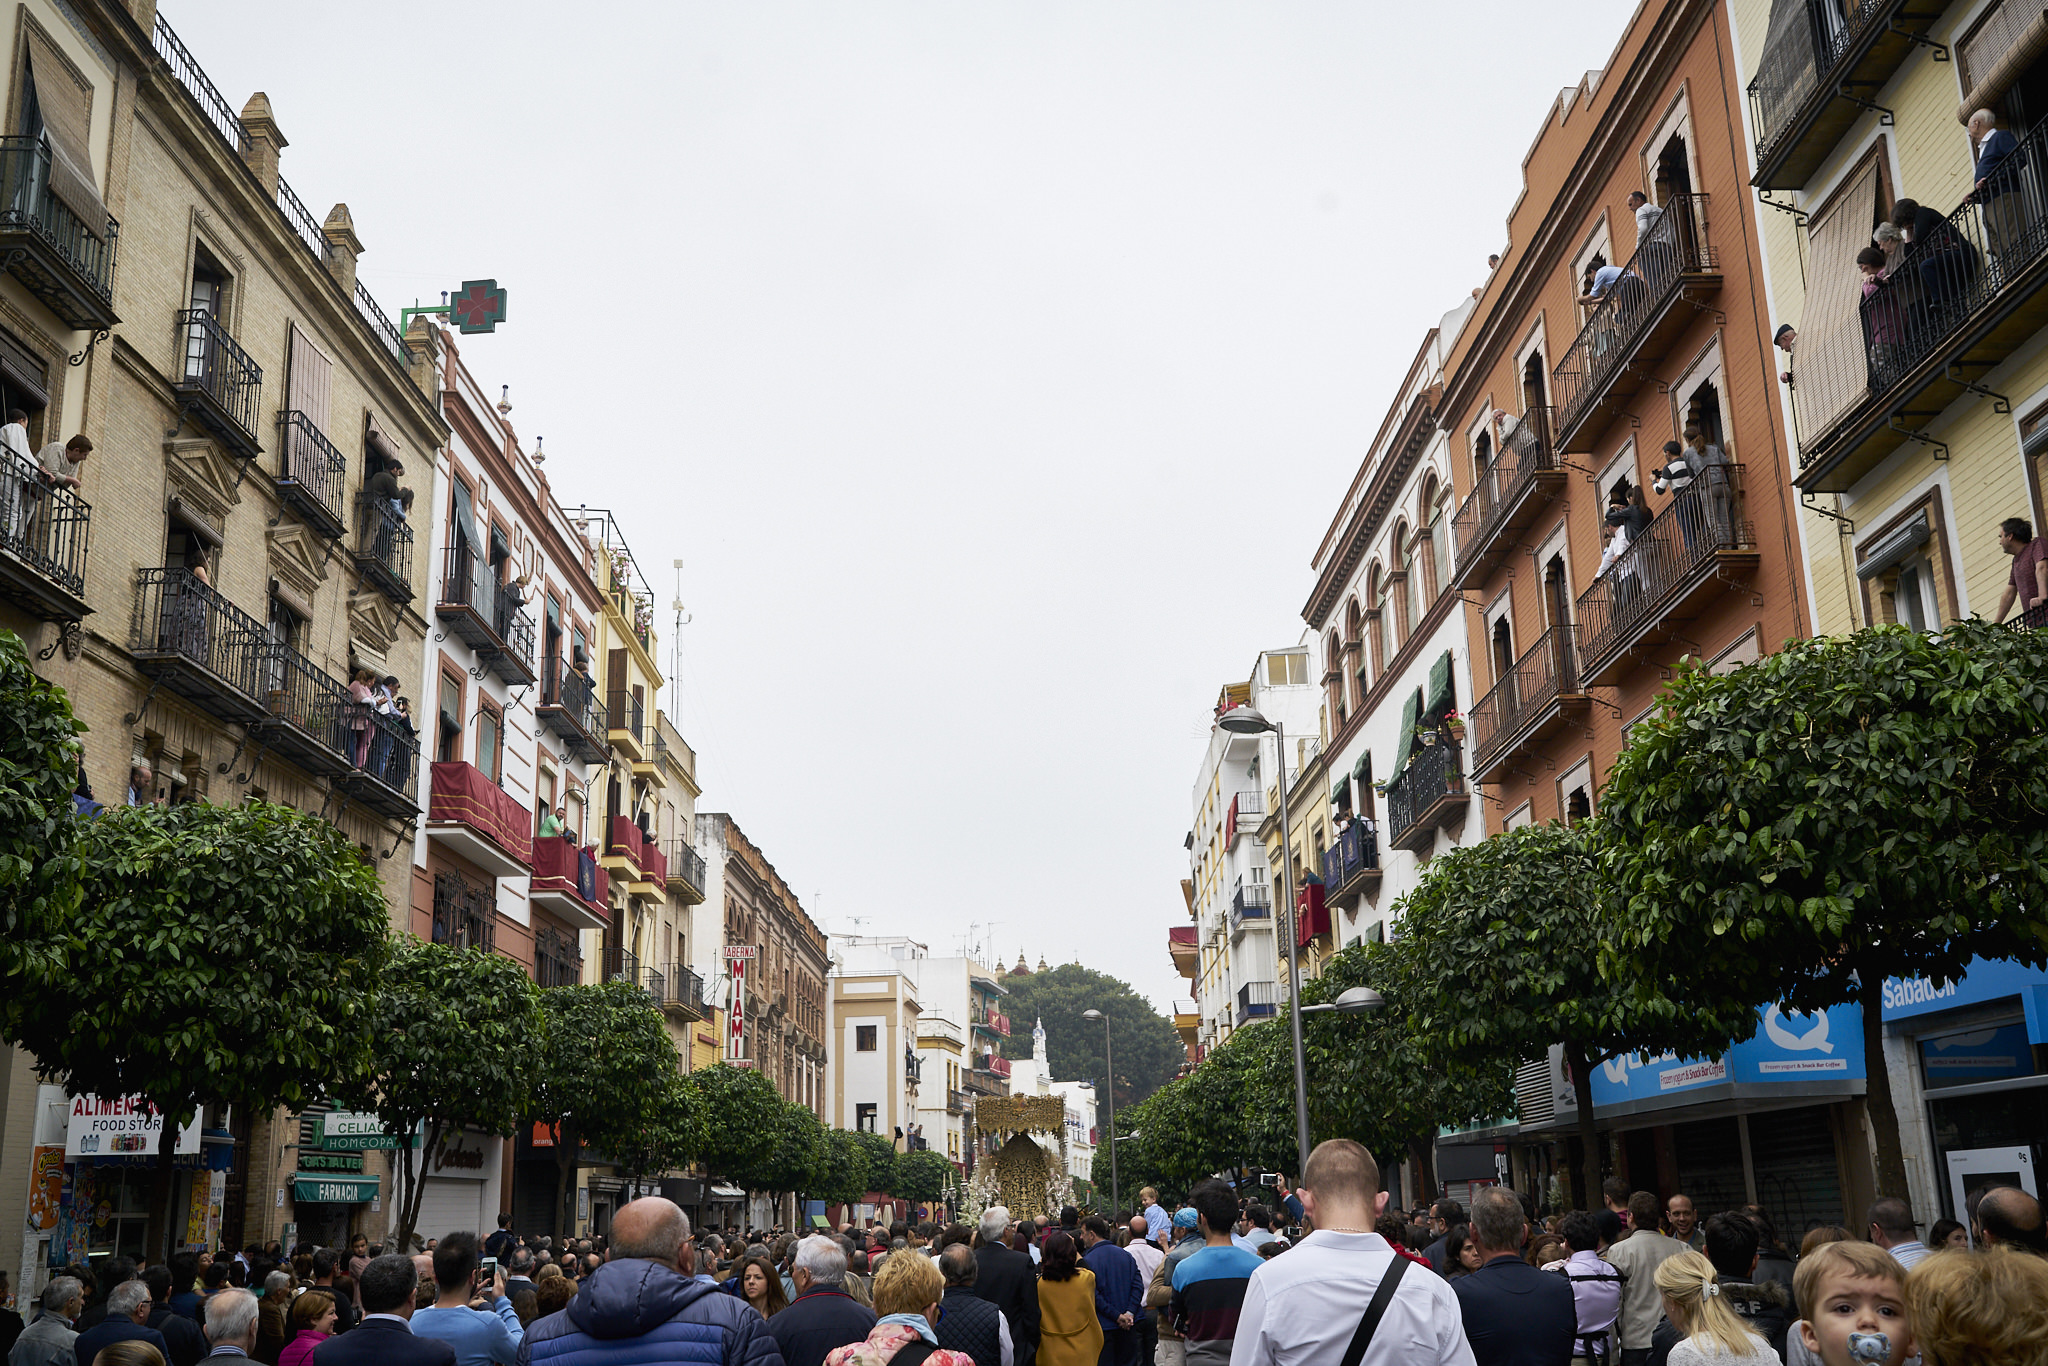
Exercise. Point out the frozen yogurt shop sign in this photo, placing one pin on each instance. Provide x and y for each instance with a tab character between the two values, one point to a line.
1806	1049
122	1126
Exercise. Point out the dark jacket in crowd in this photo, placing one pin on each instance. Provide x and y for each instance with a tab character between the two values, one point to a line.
1516	1315
1008	1279
1765	1306
109	1331
383	1342
1119	1289
634	1311
968	1323
188	1343
816	1322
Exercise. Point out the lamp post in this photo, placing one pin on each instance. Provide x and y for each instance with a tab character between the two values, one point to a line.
1351	1001
1116	1199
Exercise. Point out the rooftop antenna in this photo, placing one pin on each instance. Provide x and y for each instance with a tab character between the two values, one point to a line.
675	646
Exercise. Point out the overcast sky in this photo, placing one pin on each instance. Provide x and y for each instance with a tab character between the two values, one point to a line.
993	369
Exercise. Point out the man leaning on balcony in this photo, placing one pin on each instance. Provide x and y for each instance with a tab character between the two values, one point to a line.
1994	174
2029	582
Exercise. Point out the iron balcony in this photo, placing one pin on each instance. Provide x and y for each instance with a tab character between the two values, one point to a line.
217	383
1538	695
46	245
1507	497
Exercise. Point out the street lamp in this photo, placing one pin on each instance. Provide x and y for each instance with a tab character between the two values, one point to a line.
1116	1199
1354	1001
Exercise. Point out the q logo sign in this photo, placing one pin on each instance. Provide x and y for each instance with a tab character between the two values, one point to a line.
1814	1040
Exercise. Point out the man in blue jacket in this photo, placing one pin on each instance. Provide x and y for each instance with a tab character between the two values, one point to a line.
1514	1314
643	1305
1119	1292
822	1316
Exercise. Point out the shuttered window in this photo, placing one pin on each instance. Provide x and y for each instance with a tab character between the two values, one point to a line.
1830	370
66	111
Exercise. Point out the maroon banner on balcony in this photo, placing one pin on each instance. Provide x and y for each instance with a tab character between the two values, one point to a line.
625	838
559	865
1311	915
462	794
653	862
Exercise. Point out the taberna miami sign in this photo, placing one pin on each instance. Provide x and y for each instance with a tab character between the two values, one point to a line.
1810	1051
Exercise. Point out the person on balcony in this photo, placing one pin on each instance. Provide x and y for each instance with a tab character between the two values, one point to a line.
1945	262
1786	338
61	461
1616	559
2028	585
362	695
1997	175
1884	326
21	492
552	824
1715	487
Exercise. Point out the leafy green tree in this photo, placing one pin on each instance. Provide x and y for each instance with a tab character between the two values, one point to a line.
797	1155
921	1177
742	1122
39	758
842	1177
1147	1050
880	1158
451	1041
669	1136
1373	1079
604	1069
1850	809
217	955
1235	1110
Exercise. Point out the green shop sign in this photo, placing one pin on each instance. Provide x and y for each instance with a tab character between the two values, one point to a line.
331	1162
312	1188
353	1131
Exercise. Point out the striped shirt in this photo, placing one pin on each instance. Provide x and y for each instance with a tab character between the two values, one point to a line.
1208	1294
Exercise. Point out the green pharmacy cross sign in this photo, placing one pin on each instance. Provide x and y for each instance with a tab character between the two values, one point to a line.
479	306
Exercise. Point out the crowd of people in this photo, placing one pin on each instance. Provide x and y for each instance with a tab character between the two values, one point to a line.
1328	1274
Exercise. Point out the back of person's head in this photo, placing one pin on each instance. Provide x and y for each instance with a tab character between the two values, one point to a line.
1392	1226
1731	1244
455	1260
908	1285
325	1260
1820	1237
1609	1225
1069	1216
550	1272
823	1260
1903	213
1059	1259
231	1316
526	1305
1688	1280
1871	256
1893	1217
551	1296
2009	1215
1580	1232
112	1272
1643	1209
1544	1248
957	1264
1214	1205
1498	1222
1418	1235
521	1262
1841	1260
124	1299
1766	1231
60	1292
216	1275
386	1284
1341	1174
309	1308
1096	1225
1979	1308
129	1352
653	1228
1614	1190
159	1279
994	1220
1258	1216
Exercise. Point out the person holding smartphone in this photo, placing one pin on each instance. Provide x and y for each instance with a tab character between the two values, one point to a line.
472	1314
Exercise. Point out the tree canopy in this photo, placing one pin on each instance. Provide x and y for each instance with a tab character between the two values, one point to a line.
1844	811
1147	1051
39	758
922	1176
743	1123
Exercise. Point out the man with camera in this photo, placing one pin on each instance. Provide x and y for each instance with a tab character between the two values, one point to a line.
472	1315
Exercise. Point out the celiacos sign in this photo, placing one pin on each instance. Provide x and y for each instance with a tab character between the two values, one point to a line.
1787	1047
347	1131
121	1127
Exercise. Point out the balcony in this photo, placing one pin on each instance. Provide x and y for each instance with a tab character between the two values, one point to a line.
1957	306
682	993
1429	794
1537	697
995	1065
568	883
388	783
486	615
310	717
479	822
568	707
685	871
384	543
626	725
190	639
1681	565
1510	494
311	475
957	1102
653	879
1247	811
1352	865
1631	328
46	245
626	854
937	1029
1254	1002
977	1082
989	1022
1815	73
217	384
1254	903
43	534
1182	943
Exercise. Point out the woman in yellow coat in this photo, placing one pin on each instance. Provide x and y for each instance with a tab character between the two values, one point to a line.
1069	1334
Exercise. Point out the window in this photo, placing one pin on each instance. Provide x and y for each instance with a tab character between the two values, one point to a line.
1435	508
448	743
489	727
1287	671
1407	613
1377	593
209	294
864	1038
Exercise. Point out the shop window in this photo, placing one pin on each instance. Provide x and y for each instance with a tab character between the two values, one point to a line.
1992	1053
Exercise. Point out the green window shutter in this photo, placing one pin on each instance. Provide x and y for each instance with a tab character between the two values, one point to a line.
1440	698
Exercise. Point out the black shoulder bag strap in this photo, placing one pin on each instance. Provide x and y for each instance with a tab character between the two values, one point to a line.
914	1351
1375	1311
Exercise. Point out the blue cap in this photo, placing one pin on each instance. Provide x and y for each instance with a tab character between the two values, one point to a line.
1184	1217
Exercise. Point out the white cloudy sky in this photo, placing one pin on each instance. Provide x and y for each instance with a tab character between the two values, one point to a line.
992	367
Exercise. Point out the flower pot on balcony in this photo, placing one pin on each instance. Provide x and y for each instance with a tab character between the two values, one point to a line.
1457	730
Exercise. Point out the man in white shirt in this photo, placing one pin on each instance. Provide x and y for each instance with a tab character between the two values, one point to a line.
1308	1305
1890	1225
1646	214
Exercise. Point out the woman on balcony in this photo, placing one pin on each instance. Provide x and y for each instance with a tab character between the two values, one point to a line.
362	702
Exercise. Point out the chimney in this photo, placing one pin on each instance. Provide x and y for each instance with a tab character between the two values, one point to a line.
423	349
343	247
265	141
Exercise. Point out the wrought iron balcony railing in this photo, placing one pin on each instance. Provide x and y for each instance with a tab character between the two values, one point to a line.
311	716
1501	491
1255	1001
568	707
384	545
1356	853
219	380
1674	248
48	248
203	646
1545	672
46	529
1253	902
627	713
312	473
1817	56
1419	796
